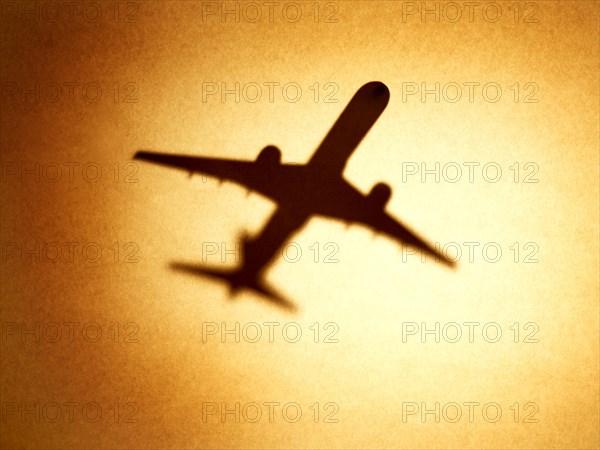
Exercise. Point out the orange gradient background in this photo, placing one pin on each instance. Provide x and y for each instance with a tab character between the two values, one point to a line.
167	50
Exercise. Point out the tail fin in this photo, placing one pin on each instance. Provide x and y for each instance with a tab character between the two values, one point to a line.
236	280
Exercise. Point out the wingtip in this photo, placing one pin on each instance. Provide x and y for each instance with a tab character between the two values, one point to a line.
451	264
140	154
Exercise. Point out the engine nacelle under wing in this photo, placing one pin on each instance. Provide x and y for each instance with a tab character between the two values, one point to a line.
269	156
380	194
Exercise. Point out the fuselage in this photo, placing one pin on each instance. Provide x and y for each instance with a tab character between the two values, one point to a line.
308	189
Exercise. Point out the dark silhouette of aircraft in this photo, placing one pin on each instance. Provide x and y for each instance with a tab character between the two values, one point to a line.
300	191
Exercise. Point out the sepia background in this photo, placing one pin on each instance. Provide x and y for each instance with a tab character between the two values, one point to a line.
110	348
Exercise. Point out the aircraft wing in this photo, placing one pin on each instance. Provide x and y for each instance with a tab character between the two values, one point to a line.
247	173
383	223
351	127
394	229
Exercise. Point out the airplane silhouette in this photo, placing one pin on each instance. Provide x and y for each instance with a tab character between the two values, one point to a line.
300	191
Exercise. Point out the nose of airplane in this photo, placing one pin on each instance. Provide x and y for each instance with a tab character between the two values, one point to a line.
377	90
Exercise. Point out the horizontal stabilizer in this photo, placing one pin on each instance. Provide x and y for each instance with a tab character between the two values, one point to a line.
236	281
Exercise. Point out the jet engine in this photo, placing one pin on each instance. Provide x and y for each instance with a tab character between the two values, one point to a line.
269	156
380	195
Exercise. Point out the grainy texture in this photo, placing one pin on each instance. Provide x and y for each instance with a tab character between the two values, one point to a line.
155	64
